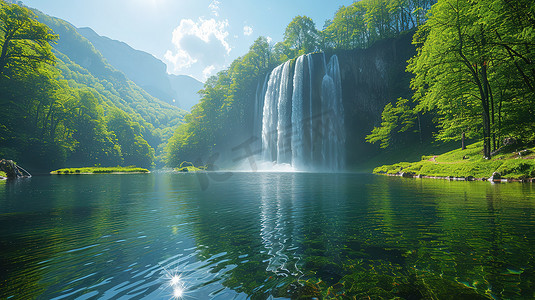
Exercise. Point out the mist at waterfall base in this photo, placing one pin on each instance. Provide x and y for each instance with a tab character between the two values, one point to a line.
299	118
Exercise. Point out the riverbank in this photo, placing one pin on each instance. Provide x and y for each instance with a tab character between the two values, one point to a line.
509	164
99	170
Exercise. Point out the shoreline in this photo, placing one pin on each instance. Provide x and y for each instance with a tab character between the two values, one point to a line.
101	173
453	178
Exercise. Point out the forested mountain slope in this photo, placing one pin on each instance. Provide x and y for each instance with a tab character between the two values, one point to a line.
66	105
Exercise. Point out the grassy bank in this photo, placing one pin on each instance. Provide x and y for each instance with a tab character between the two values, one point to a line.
412	152
511	163
99	170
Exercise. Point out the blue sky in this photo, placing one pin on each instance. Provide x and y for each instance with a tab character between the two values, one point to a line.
193	37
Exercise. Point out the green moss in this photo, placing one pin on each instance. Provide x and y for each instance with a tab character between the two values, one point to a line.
468	162
100	170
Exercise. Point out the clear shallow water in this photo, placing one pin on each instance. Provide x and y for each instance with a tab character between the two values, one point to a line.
265	234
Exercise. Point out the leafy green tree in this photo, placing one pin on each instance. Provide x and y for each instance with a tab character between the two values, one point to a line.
364	22
395	119
23	39
95	144
301	35
134	149
455	54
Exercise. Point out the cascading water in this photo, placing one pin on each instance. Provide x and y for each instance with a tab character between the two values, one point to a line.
297	115
302	115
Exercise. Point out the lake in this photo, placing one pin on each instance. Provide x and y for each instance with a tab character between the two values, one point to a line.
265	235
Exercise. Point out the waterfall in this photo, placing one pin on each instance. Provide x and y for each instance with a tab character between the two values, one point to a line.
270	115
297	119
302	120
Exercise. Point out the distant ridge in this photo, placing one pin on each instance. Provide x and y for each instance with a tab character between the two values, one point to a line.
146	71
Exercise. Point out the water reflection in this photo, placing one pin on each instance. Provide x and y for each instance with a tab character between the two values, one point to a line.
279	224
262	235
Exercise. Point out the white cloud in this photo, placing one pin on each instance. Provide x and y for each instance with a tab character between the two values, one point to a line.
247	30
214	7
200	47
208	71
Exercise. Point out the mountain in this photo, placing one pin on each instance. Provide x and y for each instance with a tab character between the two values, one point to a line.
146	71
83	67
187	89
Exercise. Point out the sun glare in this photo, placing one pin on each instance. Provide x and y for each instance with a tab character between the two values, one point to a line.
178	292
175	280
177	283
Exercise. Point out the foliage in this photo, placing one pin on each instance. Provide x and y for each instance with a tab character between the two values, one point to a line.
225	110
362	23
468	162
98	170
398	118
221	114
474	70
56	112
25	41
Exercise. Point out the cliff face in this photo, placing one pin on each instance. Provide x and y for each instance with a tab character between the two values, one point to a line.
371	78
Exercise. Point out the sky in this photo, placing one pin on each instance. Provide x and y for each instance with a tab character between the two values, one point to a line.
192	37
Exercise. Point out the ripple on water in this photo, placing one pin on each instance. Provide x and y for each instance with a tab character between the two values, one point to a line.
270	230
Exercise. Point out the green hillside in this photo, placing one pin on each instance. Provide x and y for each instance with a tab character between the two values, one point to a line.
64	105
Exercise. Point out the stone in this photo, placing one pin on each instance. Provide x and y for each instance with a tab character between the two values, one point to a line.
407	175
495	177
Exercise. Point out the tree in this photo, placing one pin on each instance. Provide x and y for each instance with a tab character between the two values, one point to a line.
452	65
96	145
301	35
134	149
395	119
23	39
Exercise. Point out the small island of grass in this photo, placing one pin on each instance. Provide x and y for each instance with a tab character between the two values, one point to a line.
469	164
99	170
186	167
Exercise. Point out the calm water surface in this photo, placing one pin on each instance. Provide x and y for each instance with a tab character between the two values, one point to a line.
262	235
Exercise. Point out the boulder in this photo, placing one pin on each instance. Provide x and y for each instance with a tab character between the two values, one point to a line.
10	168
407	175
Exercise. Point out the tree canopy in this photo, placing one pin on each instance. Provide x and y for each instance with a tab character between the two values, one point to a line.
474	70
23	39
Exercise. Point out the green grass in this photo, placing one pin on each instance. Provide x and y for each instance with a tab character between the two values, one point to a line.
99	170
3	174
406	153
186	166
469	162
